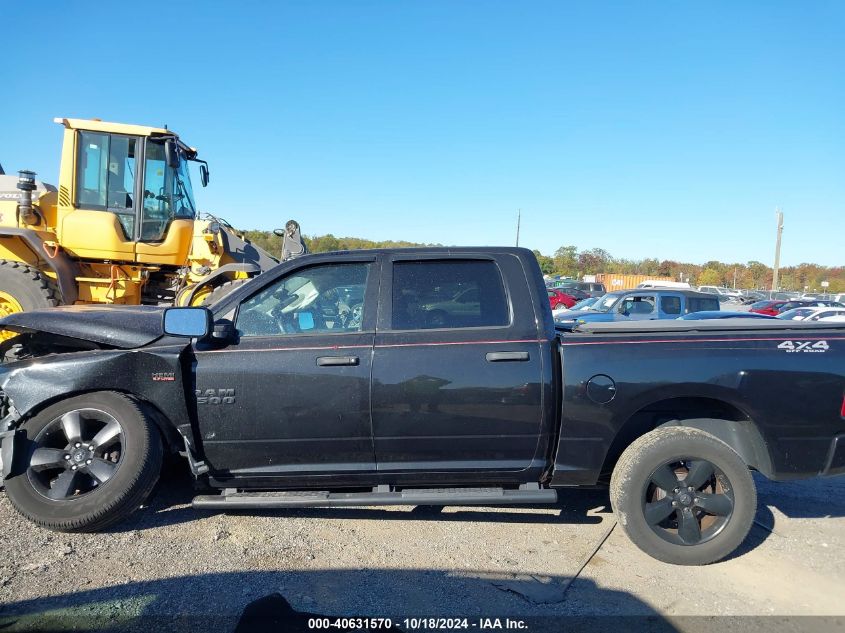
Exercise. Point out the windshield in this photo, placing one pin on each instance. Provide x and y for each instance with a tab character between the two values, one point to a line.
167	192
185	205
605	303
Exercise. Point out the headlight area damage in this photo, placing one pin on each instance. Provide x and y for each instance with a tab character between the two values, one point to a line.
62	352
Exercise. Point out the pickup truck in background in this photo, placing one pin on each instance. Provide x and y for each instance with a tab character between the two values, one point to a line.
328	382
642	304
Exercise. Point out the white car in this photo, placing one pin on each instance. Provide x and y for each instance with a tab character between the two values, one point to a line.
813	314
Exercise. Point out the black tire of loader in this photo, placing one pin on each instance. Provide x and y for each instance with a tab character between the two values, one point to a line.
32	289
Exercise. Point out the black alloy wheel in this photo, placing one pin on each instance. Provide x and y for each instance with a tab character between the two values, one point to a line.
688	502
75	454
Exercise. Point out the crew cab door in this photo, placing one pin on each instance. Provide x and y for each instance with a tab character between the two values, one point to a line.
636	307
292	395
457	366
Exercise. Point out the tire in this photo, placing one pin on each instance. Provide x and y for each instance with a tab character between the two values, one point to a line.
222	290
661	520
105	489
32	289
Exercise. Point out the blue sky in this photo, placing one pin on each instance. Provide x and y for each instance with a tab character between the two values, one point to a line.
651	129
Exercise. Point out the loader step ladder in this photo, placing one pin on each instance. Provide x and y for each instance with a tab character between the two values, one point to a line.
232	498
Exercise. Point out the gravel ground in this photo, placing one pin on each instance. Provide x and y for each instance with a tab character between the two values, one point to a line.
188	567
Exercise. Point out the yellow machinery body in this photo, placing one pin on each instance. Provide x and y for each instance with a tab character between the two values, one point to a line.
121	227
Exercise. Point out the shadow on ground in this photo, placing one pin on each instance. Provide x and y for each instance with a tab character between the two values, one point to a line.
804	499
289	601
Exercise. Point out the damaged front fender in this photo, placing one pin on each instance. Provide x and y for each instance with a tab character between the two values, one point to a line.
154	375
8	431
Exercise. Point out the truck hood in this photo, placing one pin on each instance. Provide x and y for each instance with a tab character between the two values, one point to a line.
124	327
587	315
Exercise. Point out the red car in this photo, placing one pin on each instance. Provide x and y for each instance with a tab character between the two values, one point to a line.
771	308
560	299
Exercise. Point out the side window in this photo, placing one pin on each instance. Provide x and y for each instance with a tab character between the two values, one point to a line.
448	294
105	175
670	304
636	305
319	299
696	304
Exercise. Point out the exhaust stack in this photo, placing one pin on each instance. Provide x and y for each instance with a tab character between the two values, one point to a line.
26	183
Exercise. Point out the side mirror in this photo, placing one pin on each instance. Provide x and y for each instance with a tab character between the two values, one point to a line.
204	174
224	330
191	322
171	153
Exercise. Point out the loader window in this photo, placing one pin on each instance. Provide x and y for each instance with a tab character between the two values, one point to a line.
167	193
105	176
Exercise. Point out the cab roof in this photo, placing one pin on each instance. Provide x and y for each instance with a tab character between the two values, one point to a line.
96	125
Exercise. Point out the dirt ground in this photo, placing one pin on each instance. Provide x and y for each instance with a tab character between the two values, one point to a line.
182	565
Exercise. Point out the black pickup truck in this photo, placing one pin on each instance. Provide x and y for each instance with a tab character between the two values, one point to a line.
419	376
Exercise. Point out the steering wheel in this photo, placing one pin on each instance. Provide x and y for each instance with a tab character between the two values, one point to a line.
353	317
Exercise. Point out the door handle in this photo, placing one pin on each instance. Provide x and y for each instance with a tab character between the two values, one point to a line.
498	357
335	361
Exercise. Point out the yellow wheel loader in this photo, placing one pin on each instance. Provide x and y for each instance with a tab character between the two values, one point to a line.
121	227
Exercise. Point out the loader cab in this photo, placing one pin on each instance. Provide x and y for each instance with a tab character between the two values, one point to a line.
125	193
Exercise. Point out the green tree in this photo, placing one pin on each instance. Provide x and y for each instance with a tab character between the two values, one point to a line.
547	264
709	277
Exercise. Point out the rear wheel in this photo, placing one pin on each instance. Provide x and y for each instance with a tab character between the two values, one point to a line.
683	496
85	463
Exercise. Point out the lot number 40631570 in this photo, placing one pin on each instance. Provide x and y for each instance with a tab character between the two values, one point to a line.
804	346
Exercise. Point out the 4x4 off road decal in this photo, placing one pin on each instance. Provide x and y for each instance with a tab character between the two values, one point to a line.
804	346
215	396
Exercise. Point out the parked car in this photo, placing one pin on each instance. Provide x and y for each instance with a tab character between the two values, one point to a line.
811	313
720	290
774	308
561	312
277	396
590	288
558	298
769	307
661	283
790	305
586	304
723	314
643	304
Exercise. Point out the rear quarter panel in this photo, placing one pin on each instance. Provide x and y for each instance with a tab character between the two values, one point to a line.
791	398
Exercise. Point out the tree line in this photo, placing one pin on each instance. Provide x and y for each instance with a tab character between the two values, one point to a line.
568	261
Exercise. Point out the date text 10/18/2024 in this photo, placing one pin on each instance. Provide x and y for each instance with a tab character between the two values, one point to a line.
431	624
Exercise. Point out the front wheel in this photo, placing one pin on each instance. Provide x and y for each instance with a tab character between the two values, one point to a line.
85	463
683	496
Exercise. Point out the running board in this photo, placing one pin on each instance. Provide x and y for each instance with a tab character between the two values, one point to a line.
380	496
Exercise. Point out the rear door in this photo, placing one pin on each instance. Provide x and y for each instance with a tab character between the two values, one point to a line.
457	387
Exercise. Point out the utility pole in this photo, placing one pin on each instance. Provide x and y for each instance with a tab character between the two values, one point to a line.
518	220
779	216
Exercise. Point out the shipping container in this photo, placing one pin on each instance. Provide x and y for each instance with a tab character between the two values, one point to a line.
614	281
